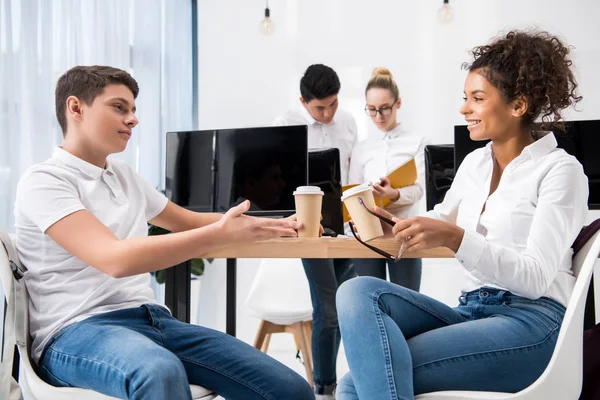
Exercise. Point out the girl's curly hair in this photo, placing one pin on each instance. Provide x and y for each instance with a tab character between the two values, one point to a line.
534	65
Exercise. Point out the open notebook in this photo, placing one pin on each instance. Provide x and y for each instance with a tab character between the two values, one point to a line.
404	175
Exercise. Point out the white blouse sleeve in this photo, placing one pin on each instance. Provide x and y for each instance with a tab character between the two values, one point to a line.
413	193
356	173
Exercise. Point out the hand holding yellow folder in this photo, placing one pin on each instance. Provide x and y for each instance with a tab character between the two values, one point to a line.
404	175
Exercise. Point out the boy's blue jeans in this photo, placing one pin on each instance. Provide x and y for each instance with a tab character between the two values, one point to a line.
400	343
145	353
324	278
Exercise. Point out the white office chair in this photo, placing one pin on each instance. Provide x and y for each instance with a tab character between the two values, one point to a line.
563	376
33	387
280	298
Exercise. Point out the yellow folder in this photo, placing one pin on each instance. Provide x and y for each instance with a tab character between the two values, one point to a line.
404	175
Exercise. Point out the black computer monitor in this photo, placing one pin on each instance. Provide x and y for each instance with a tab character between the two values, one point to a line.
463	144
189	170
264	165
213	170
581	139
324	172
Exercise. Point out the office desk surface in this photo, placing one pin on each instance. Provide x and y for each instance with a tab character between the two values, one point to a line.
325	247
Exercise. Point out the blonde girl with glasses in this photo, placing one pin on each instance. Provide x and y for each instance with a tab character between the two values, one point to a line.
389	146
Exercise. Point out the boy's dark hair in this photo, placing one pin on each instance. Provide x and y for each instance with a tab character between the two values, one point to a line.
319	81
87	82
534	65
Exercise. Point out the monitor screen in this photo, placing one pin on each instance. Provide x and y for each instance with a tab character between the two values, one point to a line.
189	176
264	165
463	144
581	139
324	172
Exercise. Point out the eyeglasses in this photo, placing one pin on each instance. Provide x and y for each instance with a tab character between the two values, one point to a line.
384	111
375	249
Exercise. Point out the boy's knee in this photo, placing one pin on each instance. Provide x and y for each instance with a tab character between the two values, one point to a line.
327	317
163	375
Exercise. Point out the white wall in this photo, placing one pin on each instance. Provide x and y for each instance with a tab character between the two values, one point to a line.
246	79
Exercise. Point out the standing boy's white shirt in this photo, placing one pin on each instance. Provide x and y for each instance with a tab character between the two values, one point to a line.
381	154
63	289
341	133
522	241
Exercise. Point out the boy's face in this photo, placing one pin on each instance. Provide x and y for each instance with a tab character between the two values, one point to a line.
322	110
107	122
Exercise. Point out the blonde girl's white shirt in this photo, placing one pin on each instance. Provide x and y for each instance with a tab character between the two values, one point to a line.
522	241
381	154
62	288
341	134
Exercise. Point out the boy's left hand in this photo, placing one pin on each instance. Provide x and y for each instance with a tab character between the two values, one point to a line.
293	218
385	190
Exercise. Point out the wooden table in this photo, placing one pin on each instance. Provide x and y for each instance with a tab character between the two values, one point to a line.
177	287
325	247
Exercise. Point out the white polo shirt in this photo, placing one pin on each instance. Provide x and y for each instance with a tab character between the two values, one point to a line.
63	289
341	133
522	241
382	153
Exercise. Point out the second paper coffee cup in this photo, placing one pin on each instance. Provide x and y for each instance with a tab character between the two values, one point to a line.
308	210
368	226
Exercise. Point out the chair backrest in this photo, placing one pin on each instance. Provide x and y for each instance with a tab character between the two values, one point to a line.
563	376
439	172
9	388
280	283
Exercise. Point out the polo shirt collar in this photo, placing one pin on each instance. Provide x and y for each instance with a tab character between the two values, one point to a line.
80	165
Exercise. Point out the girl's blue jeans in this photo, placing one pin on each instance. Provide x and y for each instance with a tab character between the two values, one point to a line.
400	343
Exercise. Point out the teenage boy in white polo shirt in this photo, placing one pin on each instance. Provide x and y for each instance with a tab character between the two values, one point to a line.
328	127
81	224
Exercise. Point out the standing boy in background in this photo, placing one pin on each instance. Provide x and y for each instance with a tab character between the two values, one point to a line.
328	127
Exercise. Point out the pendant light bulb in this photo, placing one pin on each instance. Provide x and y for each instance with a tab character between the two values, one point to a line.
445	13
267	26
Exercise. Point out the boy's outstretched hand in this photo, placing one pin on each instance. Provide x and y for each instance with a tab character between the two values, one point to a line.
294	218
239	228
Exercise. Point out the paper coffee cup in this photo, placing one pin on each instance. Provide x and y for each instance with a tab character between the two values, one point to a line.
308	210
367	225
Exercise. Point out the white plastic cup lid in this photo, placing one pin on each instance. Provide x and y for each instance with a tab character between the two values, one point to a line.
308	190
356	189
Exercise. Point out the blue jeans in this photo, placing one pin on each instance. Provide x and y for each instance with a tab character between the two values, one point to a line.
324	277
400	343
145	353
406	272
